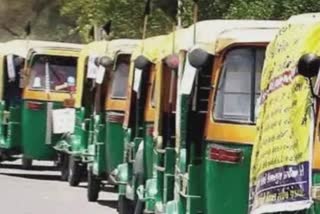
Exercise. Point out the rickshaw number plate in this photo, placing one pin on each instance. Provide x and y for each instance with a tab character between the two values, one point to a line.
63	120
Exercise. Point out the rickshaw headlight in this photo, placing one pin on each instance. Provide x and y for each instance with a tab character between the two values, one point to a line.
141	62
198	58
309	65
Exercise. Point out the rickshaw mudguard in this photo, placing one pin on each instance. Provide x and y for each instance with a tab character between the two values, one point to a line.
172	207
150	194
230	181
114	151
122	178
37	139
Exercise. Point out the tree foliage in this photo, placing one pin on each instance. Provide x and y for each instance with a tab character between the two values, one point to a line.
127	15
65	20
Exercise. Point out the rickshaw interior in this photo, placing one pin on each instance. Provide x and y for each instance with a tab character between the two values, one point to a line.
53	73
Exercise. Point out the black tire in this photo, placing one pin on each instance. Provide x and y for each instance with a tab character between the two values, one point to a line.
64	167
75	172
26	163
125	205
94	185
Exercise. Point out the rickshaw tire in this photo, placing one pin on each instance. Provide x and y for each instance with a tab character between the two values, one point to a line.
75	171
125	205
26	163
64	167
93	187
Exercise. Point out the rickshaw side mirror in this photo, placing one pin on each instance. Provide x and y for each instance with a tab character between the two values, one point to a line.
198	58
172	61
309	65
105	61
141	62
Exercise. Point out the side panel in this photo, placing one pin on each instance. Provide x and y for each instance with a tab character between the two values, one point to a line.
227	184
114	144
35	143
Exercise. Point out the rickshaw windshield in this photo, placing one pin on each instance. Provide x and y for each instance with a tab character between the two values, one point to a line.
120	77
238	88
53	73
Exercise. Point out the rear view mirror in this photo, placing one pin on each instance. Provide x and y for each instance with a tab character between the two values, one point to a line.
105	61
309	65
141	62
172	61
198	58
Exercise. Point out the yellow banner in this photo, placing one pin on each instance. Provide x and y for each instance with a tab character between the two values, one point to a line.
281	162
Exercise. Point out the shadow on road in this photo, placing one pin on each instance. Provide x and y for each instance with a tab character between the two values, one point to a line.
36	168
106	188
108	203
34	176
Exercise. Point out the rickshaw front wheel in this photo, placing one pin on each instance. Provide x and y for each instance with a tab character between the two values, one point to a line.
125	205
75	172
93	186
64	167
26	163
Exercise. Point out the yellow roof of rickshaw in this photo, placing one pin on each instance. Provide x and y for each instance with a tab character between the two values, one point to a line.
215	35
94	48
124	46
110	48
22	47
176	41
150	48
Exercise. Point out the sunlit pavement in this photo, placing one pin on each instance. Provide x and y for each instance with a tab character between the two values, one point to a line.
40	191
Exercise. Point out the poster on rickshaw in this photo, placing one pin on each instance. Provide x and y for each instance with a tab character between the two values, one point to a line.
63	120
280	177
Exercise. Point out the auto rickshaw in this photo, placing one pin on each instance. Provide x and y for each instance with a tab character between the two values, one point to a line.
215	116
138	122
105	143
285	159
75	147
13	55
51	94
158	189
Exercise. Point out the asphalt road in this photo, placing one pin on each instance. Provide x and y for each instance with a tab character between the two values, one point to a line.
40	191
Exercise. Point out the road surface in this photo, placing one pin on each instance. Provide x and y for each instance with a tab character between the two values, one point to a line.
40	191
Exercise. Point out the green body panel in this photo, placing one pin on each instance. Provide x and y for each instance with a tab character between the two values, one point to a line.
114	148
79	140
34	131
227	185
10	128
97	147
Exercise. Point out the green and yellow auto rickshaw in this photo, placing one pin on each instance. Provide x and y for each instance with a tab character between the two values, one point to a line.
285	159
12	58
158	189
75	146
105	140
51	95
138	122
215	119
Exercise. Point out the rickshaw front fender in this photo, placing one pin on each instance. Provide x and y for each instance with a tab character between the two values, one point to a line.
172	207
122	177
151	192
